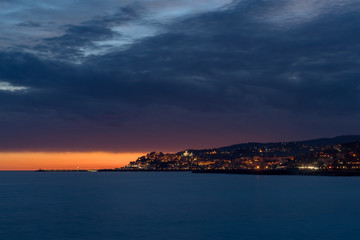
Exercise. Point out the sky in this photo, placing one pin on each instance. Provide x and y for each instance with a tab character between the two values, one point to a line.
158	75
25	161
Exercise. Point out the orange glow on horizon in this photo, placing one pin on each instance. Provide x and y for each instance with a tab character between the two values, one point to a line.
64	160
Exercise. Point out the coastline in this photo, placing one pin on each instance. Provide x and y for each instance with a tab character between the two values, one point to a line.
285	172
293	171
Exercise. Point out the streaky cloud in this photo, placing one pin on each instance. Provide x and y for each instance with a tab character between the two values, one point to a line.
6	86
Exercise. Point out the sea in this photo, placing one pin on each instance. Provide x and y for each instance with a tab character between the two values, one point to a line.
176	206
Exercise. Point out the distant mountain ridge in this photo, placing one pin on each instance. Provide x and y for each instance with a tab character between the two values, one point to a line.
315	142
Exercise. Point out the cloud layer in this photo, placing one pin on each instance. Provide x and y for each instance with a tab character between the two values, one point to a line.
139	76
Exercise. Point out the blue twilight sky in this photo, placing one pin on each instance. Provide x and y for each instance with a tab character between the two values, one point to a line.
167	75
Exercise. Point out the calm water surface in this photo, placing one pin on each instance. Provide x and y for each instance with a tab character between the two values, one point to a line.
174	206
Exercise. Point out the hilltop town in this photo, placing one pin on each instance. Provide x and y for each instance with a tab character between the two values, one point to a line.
340	153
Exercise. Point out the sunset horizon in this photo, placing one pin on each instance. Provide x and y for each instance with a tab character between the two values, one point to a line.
30	161
93	160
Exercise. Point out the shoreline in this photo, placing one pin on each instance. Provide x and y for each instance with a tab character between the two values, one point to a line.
285	172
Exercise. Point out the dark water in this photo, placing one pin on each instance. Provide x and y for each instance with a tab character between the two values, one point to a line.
177	206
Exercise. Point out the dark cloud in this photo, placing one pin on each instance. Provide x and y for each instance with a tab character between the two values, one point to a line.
215	78
76	38
29	24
